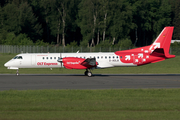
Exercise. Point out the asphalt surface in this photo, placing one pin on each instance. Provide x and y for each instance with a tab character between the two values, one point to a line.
104	81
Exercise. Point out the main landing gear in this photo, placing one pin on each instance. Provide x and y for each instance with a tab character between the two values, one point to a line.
88	73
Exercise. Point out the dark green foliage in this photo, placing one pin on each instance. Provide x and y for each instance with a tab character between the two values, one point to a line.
124	44
89	22
72	44
175	44
41	43
21	39
10	20
105	44
176	18
84	43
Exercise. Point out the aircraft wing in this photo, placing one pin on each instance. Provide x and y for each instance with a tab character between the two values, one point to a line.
89	62
79	63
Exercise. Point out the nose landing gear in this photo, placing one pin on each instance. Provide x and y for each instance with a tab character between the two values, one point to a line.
17	73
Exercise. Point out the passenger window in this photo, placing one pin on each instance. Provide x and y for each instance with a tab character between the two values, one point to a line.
109	57
43	58
105	57
101	57
47	58
54	57
121	57
113	57
98	57
50	57
117	57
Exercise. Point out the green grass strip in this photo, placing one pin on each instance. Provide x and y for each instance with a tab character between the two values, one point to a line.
127	104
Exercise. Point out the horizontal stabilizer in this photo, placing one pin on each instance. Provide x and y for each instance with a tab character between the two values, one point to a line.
159	52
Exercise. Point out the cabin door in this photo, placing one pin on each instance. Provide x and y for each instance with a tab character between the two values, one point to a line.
33	59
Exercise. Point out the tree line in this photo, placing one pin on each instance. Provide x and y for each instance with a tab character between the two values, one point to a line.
86	22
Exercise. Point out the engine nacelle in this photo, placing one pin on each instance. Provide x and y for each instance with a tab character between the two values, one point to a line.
73	63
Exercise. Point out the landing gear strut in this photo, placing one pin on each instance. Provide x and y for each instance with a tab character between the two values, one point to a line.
17	73
88	73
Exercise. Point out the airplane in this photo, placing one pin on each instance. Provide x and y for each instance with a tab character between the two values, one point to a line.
157	51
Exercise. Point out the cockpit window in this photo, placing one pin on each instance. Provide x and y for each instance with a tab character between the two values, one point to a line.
15	57
18	57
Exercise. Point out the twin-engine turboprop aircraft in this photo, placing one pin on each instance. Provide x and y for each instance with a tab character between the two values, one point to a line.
156	52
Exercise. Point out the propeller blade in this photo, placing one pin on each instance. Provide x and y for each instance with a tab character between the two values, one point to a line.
61	59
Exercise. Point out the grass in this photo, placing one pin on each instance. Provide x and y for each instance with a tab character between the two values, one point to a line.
127	104
167	66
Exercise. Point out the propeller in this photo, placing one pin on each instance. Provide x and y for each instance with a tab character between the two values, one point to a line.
60	59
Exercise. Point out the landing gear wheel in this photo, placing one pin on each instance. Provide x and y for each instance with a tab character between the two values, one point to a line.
89	74
86	73
17	73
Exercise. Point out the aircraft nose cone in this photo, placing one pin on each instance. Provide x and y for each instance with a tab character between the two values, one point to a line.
6	64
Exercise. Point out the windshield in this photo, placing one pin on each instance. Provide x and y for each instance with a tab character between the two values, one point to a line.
15	57
18	57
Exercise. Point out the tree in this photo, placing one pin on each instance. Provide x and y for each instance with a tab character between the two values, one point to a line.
61	7
88	17
45	6
163	17
10	20
150	17
20	19
175	6
2	3
28	22
57	15
121	19
105	10
96	21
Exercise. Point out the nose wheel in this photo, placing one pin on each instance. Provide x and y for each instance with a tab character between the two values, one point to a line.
17	73
88	73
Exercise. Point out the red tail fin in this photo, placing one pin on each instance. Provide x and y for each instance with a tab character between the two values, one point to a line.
163	41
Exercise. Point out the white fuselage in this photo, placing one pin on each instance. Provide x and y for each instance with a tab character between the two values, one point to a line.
49	60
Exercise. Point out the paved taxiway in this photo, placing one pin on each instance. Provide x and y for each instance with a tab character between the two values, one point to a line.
33	82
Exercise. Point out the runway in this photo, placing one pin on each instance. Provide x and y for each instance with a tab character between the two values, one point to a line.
104	81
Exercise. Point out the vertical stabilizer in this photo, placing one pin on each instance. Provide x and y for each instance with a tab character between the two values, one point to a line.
163	41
